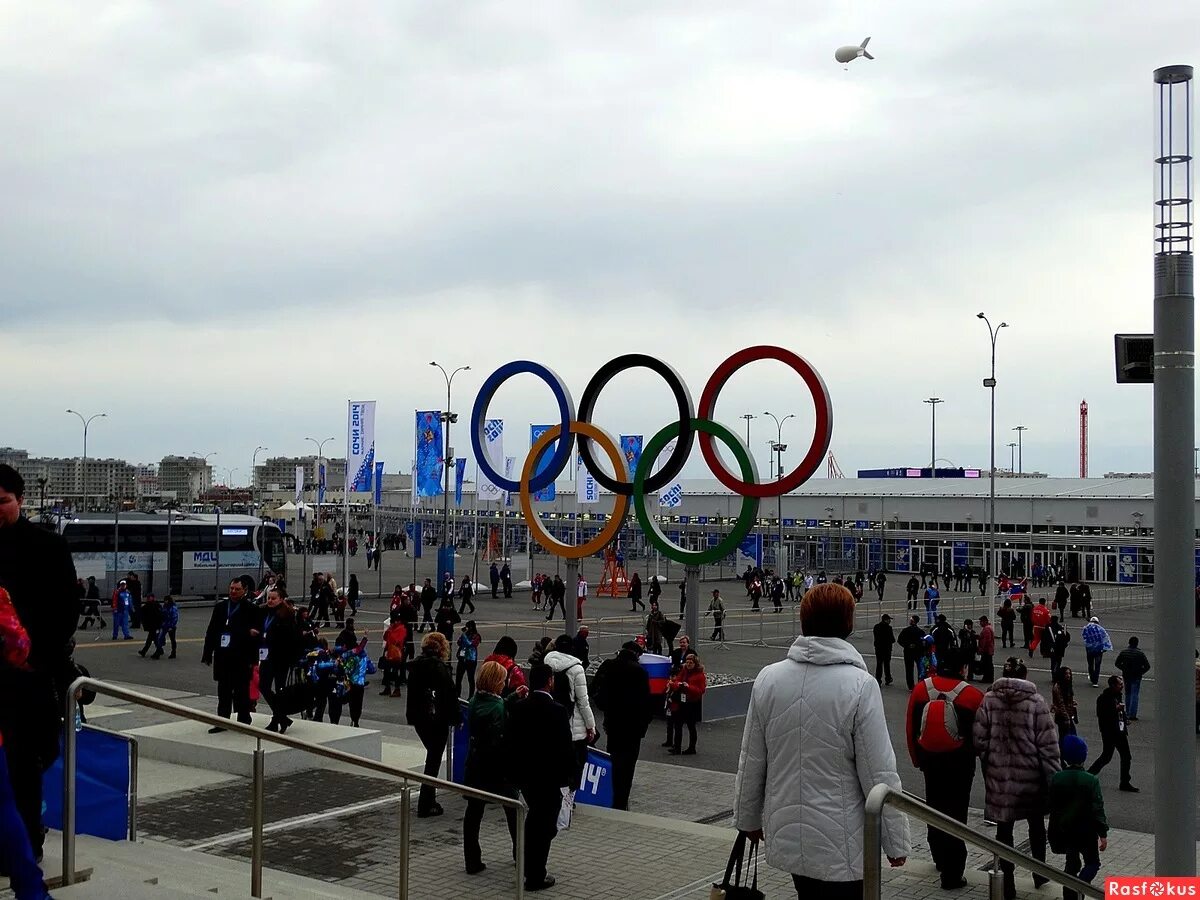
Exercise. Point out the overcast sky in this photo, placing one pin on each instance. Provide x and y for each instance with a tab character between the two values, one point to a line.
223	220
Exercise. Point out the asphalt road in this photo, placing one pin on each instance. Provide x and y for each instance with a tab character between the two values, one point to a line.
719	741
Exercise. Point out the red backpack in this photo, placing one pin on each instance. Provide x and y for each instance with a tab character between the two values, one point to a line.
939	720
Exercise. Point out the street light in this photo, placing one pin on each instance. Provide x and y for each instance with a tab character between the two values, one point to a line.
1012	456
1020	430
41	483
990	383
86	422
933	402
749	417
320	461
448	419
779	446
254	476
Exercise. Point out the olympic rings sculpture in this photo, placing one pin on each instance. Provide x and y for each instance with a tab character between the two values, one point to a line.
576	424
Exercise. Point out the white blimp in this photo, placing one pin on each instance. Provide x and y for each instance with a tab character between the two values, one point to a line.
851	53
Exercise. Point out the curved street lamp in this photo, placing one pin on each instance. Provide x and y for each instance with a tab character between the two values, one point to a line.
86	422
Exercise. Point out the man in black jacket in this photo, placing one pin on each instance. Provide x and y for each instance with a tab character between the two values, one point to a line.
543	762
231	648
884	639
1110	716
428	595
911	642
37	571
622	692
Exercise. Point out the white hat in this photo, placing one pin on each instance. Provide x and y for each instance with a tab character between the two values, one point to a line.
1094	619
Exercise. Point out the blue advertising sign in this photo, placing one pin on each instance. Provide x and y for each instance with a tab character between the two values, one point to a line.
595	783
875	553
849	552
960	553
862	523
379	484
321	483
460	472
462	743
751	548
631	449
789	523
102	786
823	547
903	555
714	540
1127	565
810	523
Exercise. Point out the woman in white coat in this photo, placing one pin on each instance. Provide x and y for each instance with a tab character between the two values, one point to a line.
815	744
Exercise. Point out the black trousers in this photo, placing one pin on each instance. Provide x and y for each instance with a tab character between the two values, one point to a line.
466	601
883	666
677	722
353	699
434	738
948	790
1083	861
815	889
427	617
624	750
468	669
1006	633
986	668
541	827
271	680
910	670
1037	840
1120	744
233	693
560	602
472	853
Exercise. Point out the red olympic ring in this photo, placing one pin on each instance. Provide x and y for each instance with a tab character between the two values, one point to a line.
822	430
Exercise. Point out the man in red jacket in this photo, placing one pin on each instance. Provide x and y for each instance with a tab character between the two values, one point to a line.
941	716
987	651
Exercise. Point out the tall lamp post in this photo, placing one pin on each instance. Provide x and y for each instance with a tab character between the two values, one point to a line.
933	405
779	446
446	554
1020	430
86	422
320	461
41	483
1012	456
990	383
1174	472
749	417
254	478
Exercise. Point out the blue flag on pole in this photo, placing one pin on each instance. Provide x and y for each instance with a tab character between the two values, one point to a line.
631	449
460	471
379	484
321	484
547	493
429	453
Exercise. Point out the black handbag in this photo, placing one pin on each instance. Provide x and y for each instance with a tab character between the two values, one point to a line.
731	886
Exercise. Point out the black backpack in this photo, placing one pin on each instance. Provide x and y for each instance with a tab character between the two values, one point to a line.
562	689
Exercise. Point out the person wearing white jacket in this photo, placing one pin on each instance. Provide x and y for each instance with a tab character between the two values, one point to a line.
815	744
583	721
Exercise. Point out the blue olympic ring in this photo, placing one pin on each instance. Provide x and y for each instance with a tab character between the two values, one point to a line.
565	445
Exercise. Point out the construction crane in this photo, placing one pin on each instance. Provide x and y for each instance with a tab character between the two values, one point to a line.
834	470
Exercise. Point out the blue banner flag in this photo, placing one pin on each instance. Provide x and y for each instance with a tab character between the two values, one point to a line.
102	781
379	484
546	494
631	449
960	553
460	471
321	484
903	555
413	529
751	548
429	452
1127	565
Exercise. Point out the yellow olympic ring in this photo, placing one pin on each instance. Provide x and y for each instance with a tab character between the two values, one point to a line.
620	505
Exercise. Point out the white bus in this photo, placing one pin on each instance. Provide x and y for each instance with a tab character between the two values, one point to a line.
182	554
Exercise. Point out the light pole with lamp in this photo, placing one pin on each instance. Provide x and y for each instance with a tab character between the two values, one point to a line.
779	446
749	417
254	477
933	405
320	462
990	383
1020	430
446	553
1012	456
83	477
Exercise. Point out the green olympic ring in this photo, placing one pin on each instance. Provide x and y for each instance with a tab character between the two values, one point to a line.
746	518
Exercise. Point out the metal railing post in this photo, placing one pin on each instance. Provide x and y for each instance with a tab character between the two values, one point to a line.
760	642
405	838
256	824
872	849
995	880
522	811
69	756
133	789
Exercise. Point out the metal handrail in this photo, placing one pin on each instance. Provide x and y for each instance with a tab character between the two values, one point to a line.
882	795
256	860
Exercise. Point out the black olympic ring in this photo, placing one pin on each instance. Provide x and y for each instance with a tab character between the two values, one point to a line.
683	400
